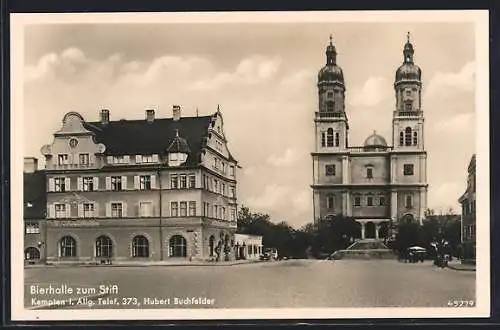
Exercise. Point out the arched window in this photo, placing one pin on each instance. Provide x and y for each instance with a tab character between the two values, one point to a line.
330	202
140	247
67	247
32	253
211	244
415	138
337	139
408	218
408	136
103	247
329	137
329	106
178	246
401	138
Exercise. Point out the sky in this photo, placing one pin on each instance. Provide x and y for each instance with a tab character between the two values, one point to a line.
264	77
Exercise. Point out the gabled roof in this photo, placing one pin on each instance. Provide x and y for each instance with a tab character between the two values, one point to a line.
35	201
136	137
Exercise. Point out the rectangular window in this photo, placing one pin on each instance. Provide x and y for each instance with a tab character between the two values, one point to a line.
88	184
183	207
330	202
147	159
62	159
174	209
233	215
116	183
357	201
330	169
145	182
223	189
173	181
60	211
88	210
329	106
145	209
231	170
119	160
408	202
382	201
216	185
32	228
214	214
369	201
116	210
408	93
192	208
59	184
323	139
329	95
183	181
369	173
408	169
192	181
232	192
408	106
84	159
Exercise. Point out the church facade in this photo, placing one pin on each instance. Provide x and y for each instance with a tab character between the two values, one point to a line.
378	184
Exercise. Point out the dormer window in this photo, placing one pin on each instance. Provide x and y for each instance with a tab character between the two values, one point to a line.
177	151
62	159
176	159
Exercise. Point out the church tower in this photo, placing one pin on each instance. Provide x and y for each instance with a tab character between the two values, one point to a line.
408	117
330	119
408	157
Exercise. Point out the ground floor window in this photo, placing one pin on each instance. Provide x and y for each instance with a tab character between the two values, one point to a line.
103	247
67	247
178	246
32	253
140	247
211	244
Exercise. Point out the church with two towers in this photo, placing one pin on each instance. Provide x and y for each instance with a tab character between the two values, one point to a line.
378	184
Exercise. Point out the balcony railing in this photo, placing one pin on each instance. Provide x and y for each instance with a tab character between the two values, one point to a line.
322	114
408	113
70	166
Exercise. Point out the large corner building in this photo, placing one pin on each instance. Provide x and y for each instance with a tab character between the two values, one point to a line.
378	184
150	189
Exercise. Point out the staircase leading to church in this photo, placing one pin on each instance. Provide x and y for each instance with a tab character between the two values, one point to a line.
365	249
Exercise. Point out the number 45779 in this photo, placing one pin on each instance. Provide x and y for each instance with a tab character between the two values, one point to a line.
461	303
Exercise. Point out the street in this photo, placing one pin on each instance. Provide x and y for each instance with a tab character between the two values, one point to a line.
292	283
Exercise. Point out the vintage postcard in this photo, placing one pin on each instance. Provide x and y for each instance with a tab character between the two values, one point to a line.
261	165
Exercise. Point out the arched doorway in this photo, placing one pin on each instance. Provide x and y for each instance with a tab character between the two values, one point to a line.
140	247
103	247
369	230
67	247
32	253
408	218
383	231
178	246
211	245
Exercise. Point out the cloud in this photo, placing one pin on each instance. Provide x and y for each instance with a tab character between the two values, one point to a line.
289	157
249	71
270	197
459	123
445	196
443	85
303	201
375	91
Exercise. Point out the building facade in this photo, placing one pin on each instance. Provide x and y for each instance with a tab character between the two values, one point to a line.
377	184
468	202
248	247
34	193
151	189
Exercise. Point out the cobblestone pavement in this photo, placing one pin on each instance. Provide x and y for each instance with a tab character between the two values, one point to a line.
291	283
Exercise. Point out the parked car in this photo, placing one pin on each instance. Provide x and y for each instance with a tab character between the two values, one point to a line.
273	253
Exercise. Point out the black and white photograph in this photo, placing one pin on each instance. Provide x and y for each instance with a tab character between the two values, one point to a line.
259	165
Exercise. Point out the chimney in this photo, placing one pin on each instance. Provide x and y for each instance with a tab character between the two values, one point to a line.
104	116
176	112
150	115
30	164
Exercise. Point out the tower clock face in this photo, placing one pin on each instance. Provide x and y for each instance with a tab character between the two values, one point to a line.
73	142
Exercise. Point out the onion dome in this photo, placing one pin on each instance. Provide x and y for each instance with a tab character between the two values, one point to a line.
331	72
375	141
408	70
178	145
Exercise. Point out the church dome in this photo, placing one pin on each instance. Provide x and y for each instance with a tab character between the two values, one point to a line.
375	141
408	70
331	72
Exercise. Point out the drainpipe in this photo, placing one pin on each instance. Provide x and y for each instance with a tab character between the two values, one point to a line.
161	207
